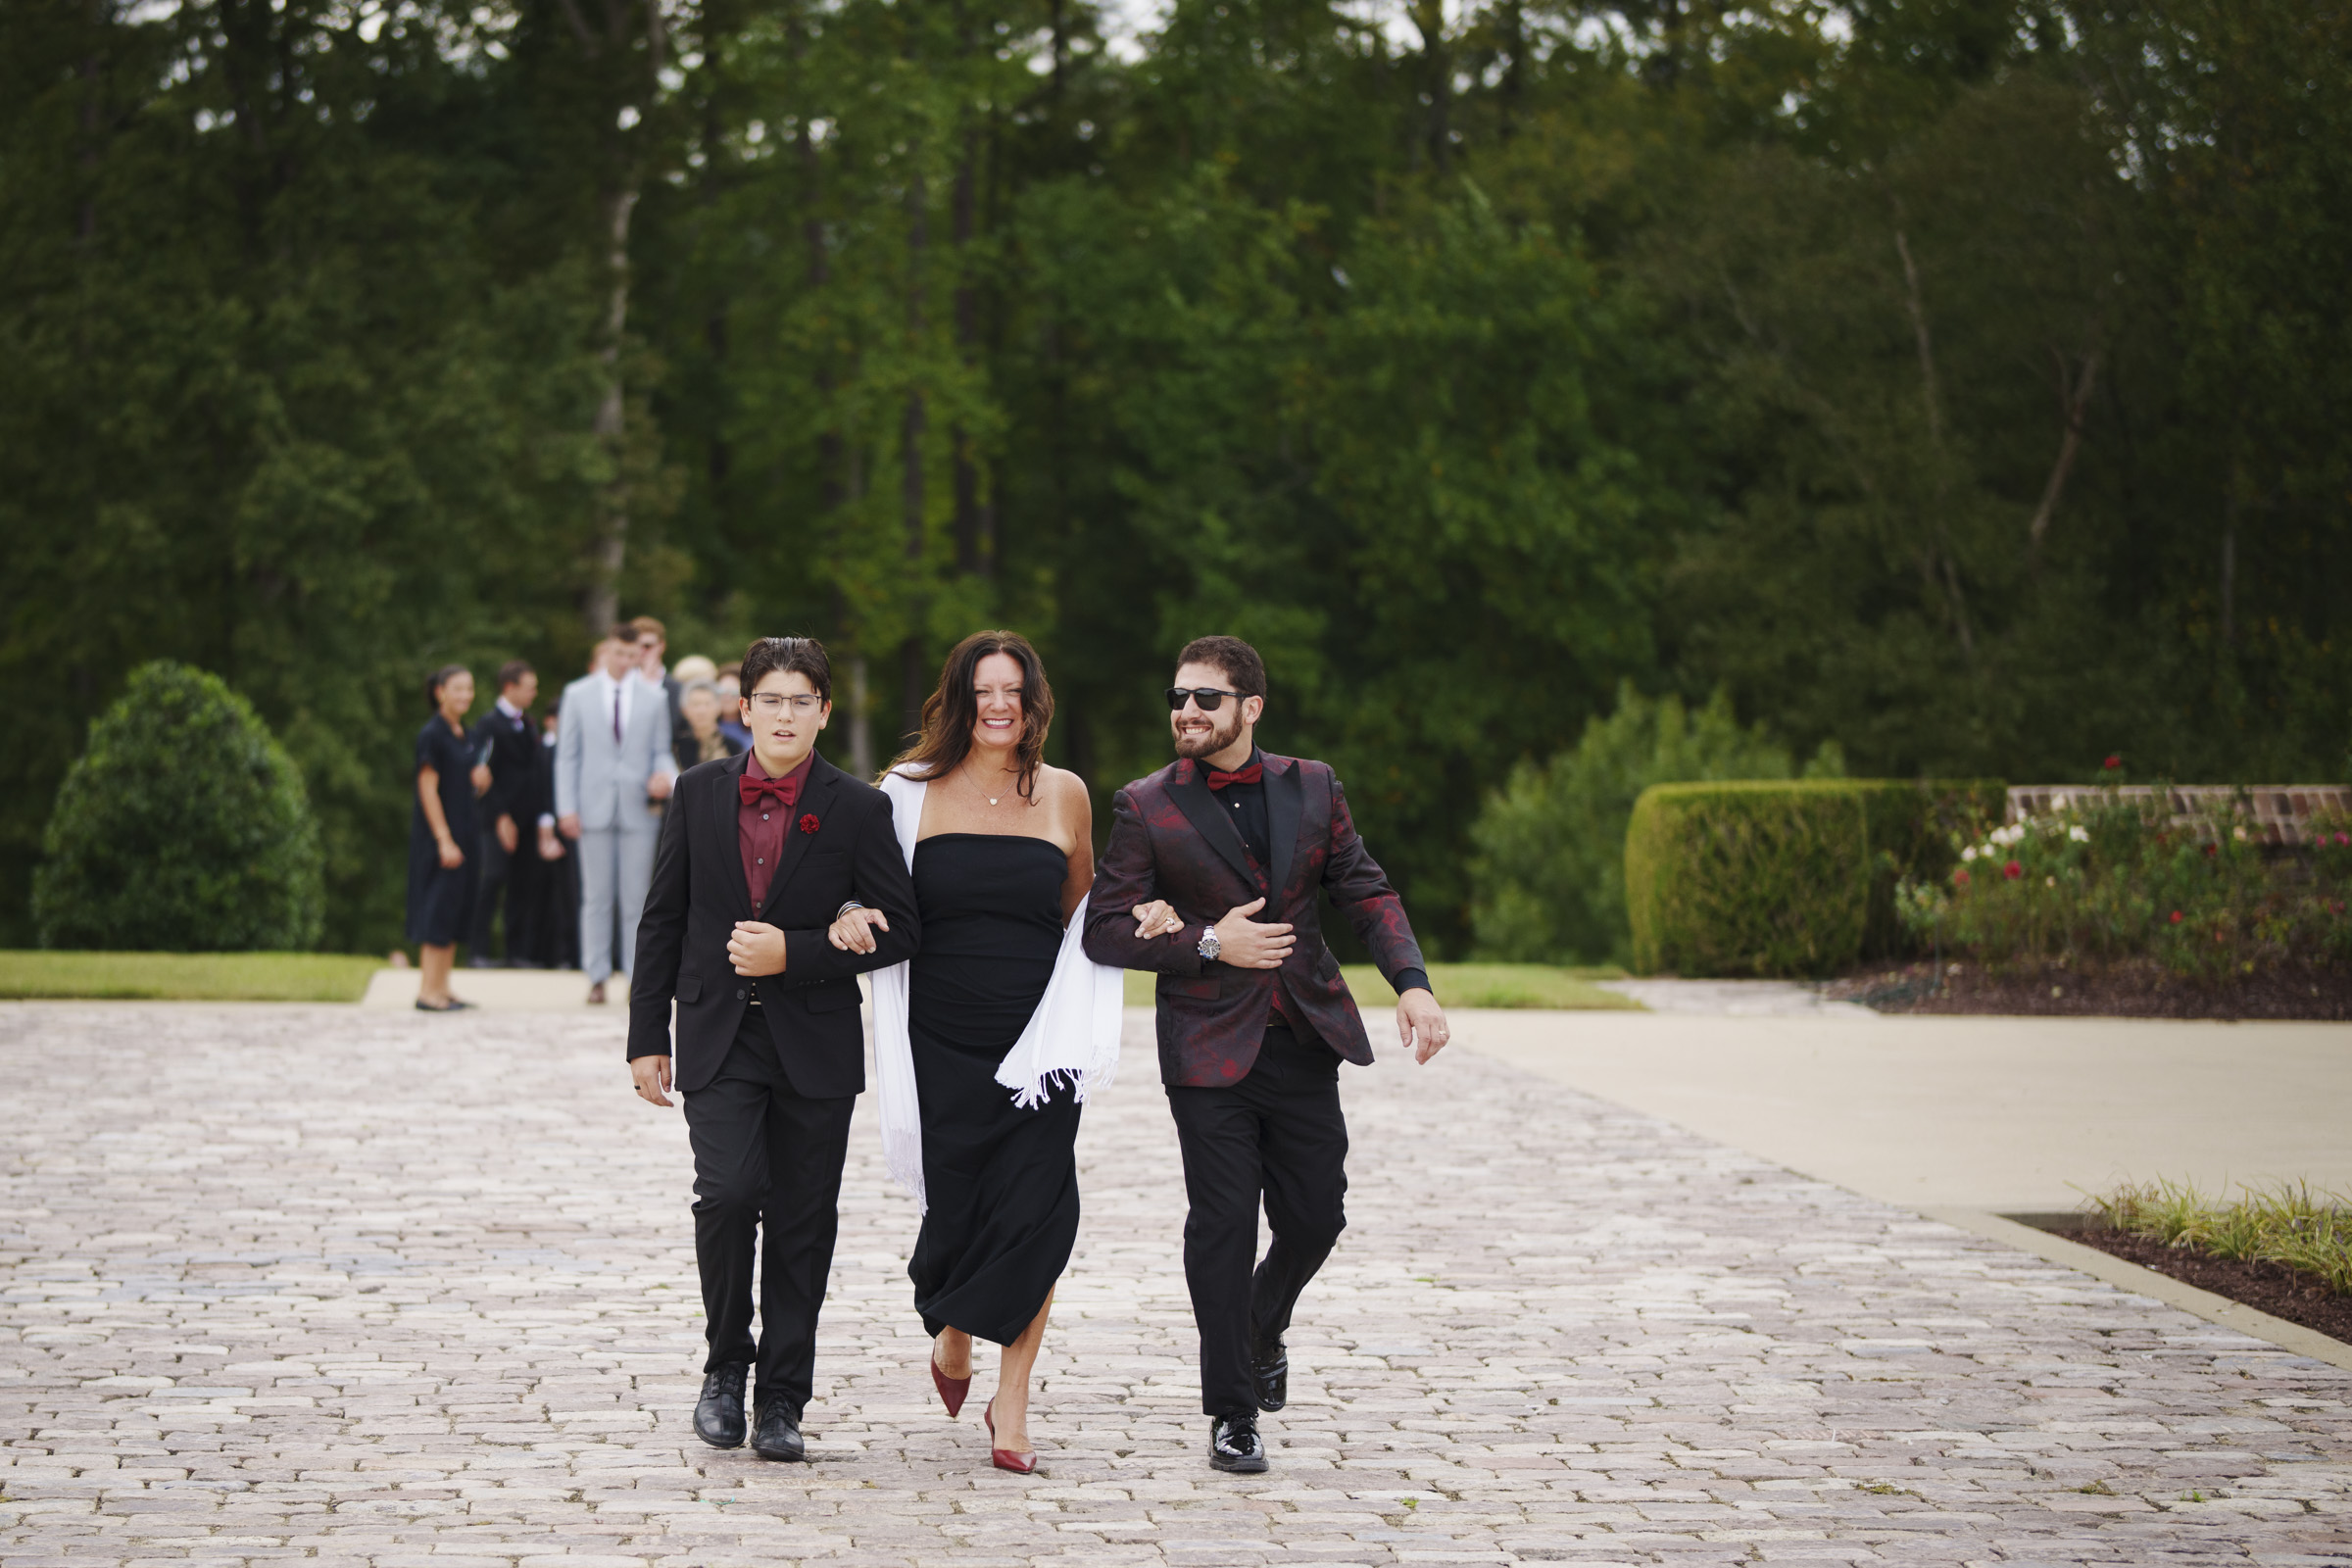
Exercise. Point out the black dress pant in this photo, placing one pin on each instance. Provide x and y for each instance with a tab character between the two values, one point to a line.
496	866
1277	1134
765	1160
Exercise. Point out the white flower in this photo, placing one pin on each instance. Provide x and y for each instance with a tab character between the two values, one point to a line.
2080	835
1968	854
2238	833
2049	881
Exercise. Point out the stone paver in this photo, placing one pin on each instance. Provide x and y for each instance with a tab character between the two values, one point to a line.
293	1284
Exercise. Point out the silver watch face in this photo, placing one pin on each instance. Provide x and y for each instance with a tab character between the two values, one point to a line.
1209	945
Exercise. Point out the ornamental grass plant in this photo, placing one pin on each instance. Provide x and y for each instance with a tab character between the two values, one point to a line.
2286	1224
2106	878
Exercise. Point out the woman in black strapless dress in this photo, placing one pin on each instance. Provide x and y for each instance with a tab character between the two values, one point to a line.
1004	851
1002	1182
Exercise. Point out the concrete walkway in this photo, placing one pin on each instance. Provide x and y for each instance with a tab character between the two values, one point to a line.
353	1287
2003	1114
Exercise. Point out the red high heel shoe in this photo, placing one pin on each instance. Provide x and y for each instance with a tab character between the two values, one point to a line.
1020	1464
952	1391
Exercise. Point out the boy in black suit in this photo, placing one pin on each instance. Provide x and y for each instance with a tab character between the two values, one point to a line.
757	854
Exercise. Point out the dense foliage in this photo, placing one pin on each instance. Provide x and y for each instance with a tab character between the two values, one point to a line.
1762	878
2109	876
1960	380
1747	879
1550	874
184	828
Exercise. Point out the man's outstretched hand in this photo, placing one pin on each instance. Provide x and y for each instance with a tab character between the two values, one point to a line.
1421	1023
653	1079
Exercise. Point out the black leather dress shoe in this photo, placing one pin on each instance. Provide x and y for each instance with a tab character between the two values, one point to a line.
779	1434
1234	1444
718	1413
1270	1370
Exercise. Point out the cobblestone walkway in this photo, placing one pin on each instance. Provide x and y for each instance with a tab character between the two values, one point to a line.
286	1282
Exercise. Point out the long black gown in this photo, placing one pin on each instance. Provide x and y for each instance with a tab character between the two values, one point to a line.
1002	1182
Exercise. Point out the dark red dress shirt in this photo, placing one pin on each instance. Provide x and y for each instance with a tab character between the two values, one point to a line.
760	826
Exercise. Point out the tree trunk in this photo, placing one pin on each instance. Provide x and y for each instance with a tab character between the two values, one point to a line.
862	733
914	422
975	524
603	601
2074	401
1436	84
1915	303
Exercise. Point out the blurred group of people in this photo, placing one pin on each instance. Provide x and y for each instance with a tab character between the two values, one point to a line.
550	819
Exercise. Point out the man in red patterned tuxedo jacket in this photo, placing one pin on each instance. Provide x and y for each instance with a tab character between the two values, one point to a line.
1254	1017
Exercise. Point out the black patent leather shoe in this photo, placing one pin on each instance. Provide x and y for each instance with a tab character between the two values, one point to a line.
1235	1446
1270	1370
718	1413
779	1434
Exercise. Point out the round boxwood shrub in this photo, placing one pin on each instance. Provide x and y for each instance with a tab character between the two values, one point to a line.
184	828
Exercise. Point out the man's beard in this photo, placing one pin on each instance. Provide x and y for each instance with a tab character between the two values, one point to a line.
1224	729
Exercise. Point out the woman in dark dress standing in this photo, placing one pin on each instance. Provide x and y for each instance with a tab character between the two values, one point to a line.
1002	853
442	824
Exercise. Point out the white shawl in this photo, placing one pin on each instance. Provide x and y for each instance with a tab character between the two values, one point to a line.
1073	1036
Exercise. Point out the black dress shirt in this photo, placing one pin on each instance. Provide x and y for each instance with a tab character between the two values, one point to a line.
1248	803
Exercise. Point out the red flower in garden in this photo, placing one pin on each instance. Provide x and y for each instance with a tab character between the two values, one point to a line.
2013	871
809	823
2343	838
1960	878
2213	849
2115	759
2175	917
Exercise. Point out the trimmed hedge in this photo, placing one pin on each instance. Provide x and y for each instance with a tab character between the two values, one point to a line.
1774	878
184	828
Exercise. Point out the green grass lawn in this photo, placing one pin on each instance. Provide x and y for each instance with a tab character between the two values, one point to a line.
1469	984
186	976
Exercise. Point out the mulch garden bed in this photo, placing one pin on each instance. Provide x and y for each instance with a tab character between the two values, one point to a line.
2140	989
2272	1288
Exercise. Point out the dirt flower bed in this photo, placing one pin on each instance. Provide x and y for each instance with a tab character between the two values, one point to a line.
2123	988
2272	1288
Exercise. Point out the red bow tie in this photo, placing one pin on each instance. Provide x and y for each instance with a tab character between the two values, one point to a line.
1219	778
786	790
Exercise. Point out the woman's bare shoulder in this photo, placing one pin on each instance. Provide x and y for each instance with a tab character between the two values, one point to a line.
1061	787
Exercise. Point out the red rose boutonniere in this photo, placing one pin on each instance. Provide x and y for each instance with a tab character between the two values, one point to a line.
808	822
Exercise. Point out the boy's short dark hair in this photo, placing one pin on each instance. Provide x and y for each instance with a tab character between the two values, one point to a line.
794	656
1243	671
513	670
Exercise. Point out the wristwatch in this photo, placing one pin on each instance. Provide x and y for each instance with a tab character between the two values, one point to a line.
1210	946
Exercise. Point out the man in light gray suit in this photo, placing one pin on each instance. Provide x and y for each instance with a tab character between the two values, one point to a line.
613	769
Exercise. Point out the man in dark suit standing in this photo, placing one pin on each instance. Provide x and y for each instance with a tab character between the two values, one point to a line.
757	854
505	736
1255	1019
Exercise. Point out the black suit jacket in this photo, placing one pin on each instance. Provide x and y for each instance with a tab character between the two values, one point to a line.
513	755
841	839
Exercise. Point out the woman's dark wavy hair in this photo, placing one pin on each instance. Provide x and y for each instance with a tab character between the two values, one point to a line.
438	679
951	713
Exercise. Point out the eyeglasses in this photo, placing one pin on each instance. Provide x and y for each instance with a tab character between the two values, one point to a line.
771	704
1208	697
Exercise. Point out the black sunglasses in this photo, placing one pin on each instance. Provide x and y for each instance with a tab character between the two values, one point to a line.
1208	697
